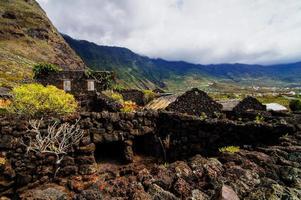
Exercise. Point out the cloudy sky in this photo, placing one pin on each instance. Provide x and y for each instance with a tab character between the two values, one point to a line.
198	31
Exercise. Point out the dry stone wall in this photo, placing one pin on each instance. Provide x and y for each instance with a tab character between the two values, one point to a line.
162	134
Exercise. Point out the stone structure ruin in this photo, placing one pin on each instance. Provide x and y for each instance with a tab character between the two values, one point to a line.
78	82
134	95
121	136
154	154
84	85
195	102
249	104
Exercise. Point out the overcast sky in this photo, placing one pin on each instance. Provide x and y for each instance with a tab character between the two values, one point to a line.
198	31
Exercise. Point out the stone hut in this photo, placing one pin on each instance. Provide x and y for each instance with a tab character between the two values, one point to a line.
78	82
249	104
85	86
195	102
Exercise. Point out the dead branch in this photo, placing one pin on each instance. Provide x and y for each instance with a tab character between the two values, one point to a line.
57	140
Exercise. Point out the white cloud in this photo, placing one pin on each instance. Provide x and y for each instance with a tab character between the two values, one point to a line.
199	31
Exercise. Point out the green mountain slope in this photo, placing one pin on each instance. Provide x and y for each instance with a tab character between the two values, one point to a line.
142	72
27	37
132	70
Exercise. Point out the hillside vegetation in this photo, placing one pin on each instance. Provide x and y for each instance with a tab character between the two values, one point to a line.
142	72
27	37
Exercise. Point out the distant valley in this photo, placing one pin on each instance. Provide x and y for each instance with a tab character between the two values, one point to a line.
138	71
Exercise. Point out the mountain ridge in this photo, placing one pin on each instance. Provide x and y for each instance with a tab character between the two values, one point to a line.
151	73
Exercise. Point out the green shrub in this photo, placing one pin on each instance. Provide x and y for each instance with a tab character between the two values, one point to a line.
295	105
113	95
35	99
118	87
259	119
203	116
44	69
149	95
229	149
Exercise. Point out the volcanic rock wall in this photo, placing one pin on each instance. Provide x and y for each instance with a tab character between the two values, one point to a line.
136	96
195	102
162	134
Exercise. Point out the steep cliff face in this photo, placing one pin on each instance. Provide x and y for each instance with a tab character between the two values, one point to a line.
27	36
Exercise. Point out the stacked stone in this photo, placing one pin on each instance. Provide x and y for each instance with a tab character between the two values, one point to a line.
103	103
134	95
179	135
195	102
249	104
120	127
190	135
22	167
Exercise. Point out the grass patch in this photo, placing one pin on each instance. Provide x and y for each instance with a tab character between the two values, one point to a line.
229	149
274	99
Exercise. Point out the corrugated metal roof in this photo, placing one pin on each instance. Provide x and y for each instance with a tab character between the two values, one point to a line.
161	102
276	107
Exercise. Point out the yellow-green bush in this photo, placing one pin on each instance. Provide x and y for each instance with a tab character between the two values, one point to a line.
259	119
113	95
149	95
229	149
2	161
118	87
35	99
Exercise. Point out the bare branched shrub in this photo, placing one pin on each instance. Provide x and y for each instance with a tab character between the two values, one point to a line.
57	140
165	145
166	142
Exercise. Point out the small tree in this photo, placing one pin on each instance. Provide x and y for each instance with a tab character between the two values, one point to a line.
58	139
35	99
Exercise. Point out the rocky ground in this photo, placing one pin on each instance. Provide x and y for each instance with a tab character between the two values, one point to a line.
267	172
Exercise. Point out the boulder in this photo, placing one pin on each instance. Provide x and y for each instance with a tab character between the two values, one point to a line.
89	195
158	193
48	192
227	193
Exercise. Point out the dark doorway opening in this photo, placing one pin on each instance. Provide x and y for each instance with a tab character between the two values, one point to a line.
146	145
111	152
